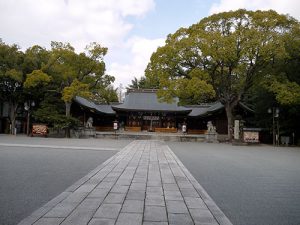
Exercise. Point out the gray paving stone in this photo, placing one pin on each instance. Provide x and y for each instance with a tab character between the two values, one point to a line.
154	183
194	203
133	206
49	221
105	184
170	187
129	219
99	176
168	181
77	184
189	192
173	195
101	221
75	197
141	171
79	216
114	198
180	219
98	192
86	188
155	200
176	207
181	178
61	210
155	213
91	203
135	195
108	211
123	181
64	195
202	216
138	186
155	223
154	190
110	179
140	179
119	189
184	184
114	174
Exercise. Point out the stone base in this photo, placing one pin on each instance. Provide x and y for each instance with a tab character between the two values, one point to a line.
211	137
238	143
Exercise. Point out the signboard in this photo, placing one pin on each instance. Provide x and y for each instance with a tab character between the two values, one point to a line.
236	129
40	129
150	117
251	136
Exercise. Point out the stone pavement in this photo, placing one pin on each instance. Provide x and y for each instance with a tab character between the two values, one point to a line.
143	184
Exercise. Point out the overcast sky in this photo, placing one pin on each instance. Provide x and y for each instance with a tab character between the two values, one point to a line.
131	29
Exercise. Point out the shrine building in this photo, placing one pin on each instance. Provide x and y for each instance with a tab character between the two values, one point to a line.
142	111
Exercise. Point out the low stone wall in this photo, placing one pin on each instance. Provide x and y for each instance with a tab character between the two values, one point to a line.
152	136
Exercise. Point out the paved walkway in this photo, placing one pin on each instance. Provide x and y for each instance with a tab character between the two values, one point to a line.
143	184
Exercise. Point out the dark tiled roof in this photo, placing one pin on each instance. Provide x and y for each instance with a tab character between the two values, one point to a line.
205	109
100	108
147	101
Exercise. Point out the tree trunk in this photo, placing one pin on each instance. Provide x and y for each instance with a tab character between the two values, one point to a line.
12	116
229	109
68	108
68	114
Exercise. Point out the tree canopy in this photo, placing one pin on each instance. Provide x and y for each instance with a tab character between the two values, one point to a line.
143	83
44	75
222	56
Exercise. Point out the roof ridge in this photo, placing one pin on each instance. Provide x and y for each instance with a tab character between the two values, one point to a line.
141	90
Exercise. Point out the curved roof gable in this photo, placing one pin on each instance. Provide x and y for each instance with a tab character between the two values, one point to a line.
205	109
101	108
148	101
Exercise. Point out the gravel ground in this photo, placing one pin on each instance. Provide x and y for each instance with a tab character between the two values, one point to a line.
31	176
255	185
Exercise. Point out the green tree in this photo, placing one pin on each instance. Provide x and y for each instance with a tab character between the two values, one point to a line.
143	83
38	72
11	79
80	74
35	67
105	95
285	79
226	52
134	84
51	111
36	78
